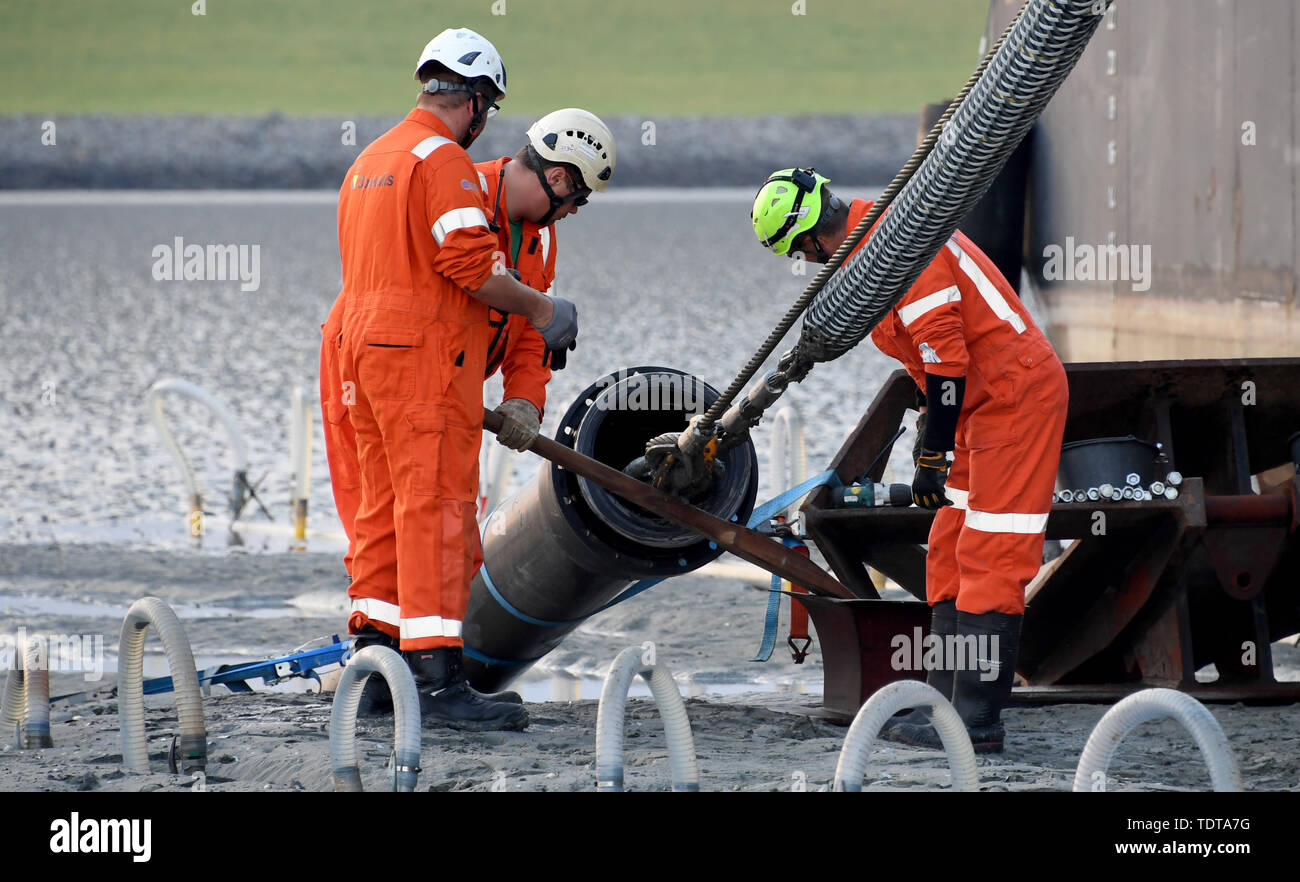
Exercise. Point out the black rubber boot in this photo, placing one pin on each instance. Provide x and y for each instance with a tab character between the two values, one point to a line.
377	698
446	697
982	685
904	728
979	696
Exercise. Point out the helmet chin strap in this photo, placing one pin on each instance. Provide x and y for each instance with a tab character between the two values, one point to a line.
557	202
476	121
822	256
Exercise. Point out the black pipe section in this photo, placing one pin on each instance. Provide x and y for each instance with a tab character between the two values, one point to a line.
562	546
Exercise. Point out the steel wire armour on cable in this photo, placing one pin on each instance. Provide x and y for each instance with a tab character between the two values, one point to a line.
1034	59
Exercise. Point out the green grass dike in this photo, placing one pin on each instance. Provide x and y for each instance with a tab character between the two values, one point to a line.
727	57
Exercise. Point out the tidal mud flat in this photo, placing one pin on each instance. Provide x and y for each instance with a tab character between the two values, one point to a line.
755	725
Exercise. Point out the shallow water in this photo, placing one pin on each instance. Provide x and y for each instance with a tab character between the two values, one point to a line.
660	276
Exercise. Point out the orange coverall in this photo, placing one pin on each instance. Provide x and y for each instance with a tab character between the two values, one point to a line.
961	318
408	362
514	345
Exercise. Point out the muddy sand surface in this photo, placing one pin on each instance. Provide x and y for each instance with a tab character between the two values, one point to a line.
754	725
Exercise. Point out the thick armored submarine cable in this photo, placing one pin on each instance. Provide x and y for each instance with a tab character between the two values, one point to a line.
698	434
940	183
1043	47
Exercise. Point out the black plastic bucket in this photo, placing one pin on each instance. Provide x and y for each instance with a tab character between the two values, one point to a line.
1100	461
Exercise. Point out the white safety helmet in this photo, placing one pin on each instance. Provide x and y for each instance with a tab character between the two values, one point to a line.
467	53
578	138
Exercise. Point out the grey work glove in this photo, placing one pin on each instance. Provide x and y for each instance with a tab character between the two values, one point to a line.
562	329
520	423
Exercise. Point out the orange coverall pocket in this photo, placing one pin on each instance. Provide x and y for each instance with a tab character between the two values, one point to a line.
428	429
460	351
1040	382
444	456
990	427
386	370
456	361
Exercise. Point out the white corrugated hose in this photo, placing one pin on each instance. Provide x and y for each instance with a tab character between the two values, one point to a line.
193	752
369	662
1154	704
889	700
611	715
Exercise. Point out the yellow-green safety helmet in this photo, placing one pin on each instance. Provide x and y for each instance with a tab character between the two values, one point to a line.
789	203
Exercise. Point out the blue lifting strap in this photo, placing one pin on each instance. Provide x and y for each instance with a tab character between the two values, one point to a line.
771	619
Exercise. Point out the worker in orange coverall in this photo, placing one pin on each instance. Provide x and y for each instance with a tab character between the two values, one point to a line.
418	281
544	182
995	395
569	153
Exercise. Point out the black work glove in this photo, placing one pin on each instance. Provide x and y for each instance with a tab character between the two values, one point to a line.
556	359
930	479
919	445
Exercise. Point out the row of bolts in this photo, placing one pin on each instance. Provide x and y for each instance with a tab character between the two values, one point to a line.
1131	489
